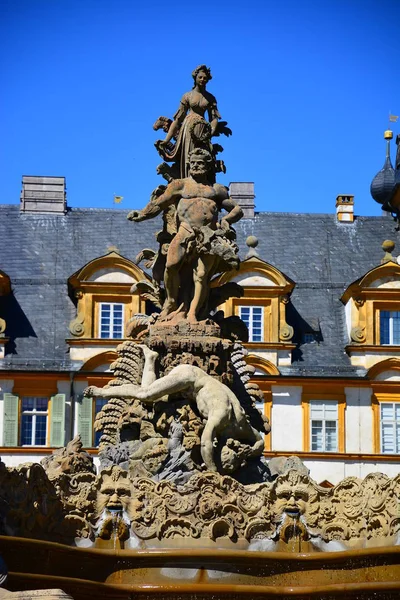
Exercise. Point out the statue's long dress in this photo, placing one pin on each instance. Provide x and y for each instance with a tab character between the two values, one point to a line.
195	131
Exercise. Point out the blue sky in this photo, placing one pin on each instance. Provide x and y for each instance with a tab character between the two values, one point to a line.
306	87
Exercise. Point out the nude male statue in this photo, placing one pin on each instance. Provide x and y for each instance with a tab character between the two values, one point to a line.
198	204
215	402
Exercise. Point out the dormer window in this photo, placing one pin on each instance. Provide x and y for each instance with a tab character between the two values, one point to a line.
373	315
308	338
111	320
261	302
390	327
101	292
5	290
253	317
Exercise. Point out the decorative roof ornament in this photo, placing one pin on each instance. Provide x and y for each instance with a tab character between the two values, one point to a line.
388	247
113	248
383	183
385	187
252	243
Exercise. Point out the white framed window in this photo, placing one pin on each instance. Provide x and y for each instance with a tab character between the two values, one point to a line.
390	327
111	320
253	316
324	426
390	427
34	419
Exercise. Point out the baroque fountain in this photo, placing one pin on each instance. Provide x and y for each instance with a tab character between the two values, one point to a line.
184	505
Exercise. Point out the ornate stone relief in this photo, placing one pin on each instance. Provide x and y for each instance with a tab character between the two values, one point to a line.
209	506
69	460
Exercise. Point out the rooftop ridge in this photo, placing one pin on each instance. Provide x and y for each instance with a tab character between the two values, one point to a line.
304	215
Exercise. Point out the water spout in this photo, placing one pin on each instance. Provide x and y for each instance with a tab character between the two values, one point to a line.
116	519
292	530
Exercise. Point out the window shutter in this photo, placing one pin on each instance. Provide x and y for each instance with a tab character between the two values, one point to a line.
57	428
85	421
10	430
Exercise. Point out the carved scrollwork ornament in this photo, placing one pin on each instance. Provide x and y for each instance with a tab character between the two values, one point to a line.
77	327
2	326
357	334
78	294
359	301
286	332
284	299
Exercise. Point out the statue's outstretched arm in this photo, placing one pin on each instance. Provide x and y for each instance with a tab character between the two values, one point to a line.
127	390
160	199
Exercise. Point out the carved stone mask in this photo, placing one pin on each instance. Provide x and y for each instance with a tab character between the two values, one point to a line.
114	493
292	500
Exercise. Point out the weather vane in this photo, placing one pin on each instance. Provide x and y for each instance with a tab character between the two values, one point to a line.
392	118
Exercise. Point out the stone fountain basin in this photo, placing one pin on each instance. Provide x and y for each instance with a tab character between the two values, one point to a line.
197	573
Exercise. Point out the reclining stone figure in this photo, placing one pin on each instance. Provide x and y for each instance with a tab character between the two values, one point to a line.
215	402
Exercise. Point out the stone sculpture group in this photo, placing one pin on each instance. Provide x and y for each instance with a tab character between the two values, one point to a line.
215	402
210	399
182	436
201	246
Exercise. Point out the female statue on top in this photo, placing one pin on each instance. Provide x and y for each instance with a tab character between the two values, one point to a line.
191	130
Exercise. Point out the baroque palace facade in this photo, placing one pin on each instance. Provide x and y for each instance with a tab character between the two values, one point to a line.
321	302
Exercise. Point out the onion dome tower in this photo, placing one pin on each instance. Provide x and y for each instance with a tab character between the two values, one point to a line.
383	183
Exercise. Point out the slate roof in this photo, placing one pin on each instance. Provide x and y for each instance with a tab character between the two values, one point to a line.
40	252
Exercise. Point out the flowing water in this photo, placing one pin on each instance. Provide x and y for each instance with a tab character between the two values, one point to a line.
116	518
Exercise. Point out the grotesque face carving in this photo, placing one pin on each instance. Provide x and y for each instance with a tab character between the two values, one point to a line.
291	499
114	493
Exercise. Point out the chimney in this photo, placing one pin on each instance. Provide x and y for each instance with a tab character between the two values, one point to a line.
243	194
345	208
45	195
